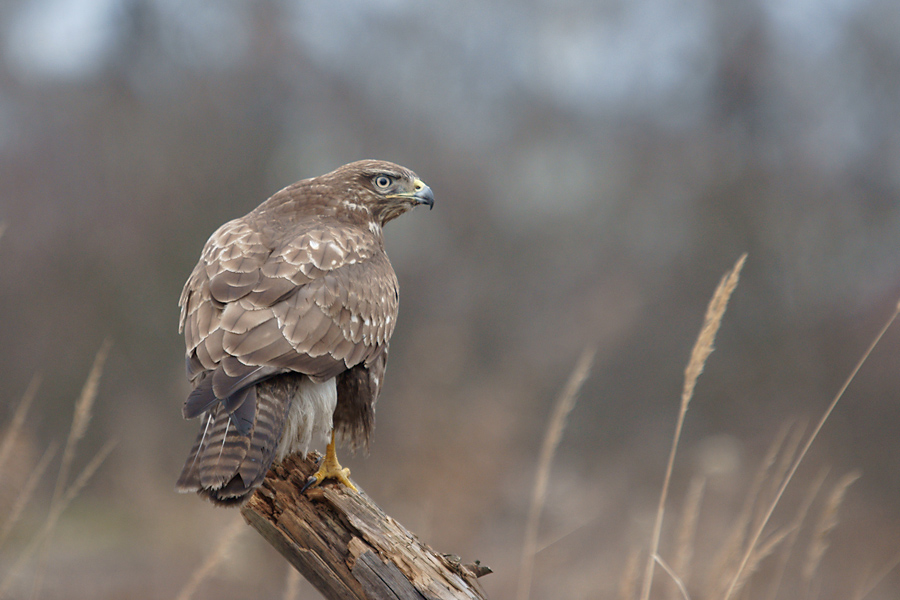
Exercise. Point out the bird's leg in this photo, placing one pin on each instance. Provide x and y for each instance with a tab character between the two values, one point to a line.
330	469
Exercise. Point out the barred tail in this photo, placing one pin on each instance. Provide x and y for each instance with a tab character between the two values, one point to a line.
225	465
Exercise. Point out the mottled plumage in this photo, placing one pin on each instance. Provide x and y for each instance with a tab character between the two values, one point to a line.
287	318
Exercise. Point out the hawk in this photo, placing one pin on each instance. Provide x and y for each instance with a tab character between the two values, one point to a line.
286	319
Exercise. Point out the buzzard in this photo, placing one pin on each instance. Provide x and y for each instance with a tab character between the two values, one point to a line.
287	319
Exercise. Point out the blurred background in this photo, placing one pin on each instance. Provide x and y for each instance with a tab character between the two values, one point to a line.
597	167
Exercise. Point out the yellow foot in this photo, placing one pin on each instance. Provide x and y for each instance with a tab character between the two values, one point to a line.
330	469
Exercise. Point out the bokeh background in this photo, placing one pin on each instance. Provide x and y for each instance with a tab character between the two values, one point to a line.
598	165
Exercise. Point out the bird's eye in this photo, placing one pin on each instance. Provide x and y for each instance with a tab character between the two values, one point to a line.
382	181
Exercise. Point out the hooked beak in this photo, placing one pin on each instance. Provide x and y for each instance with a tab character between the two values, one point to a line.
423	194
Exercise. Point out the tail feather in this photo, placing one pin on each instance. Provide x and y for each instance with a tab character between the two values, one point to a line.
242	417
226	464
189	480
271	416
223	452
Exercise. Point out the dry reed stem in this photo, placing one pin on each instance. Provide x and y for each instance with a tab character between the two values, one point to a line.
291	584
679	583
719	575
80	419
826	522
703	347
760	553
27	492
55	512
213	559
859	590
765	484
687	530
865	589
82	480
788	455
563	406
628	581
796	524
840	393
18	419
574	529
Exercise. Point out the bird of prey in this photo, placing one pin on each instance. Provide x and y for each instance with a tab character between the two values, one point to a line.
287	318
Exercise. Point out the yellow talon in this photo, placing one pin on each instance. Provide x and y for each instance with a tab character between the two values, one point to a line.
330	469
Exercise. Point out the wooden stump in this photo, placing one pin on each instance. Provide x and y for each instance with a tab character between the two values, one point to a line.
347	547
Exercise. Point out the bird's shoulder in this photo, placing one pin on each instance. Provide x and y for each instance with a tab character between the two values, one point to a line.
244	251
316	297
261	260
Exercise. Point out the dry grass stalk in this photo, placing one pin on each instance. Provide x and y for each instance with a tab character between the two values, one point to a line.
826	522
629	579
687	529
703	347
760	552
82	479
725	563
213	560
26	493
55	512
809	442
796	524
862	585
866	587
788	455
778	458
18	419
291	584
563	406
80	419
679	583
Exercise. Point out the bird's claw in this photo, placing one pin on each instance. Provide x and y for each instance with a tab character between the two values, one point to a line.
334	471
330	468
309	483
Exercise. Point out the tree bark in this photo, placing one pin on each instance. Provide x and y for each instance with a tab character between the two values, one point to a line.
347	547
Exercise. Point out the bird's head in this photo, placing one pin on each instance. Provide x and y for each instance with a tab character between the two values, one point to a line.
387	190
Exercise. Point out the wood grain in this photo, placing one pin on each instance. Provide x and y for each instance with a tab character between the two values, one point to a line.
347	547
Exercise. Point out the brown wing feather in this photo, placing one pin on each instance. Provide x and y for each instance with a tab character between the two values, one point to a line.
316	294
323	304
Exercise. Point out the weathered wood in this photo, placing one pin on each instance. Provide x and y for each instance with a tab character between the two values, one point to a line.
347	547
